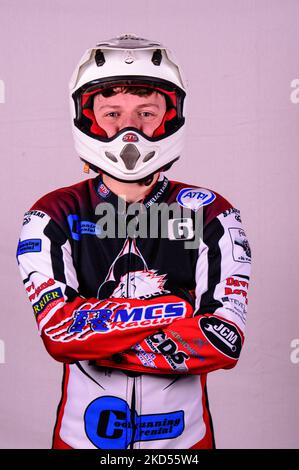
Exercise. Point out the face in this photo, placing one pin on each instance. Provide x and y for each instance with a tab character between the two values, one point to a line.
126	110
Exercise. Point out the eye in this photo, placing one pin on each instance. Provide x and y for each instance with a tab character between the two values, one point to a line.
113	114
147	114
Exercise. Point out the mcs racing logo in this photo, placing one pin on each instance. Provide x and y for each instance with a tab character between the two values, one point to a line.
110	315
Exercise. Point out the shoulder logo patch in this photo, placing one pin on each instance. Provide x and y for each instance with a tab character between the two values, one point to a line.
194	198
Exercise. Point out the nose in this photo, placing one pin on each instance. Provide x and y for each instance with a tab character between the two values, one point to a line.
128	120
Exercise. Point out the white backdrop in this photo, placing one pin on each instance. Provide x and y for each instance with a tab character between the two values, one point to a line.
240	58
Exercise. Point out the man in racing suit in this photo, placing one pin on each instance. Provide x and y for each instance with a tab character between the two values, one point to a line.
139	301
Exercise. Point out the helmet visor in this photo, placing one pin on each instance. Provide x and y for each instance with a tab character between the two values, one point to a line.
89	121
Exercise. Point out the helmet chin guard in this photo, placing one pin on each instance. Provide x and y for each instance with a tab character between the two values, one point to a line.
128	61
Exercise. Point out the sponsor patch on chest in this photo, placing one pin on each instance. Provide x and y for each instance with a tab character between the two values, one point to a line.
194	198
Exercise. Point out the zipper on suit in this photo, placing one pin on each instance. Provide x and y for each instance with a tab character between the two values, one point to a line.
129	270
133	409
128	293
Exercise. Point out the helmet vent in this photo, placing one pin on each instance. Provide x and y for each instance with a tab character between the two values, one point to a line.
157	57
130	155
99	58
111	156
129	57
148	156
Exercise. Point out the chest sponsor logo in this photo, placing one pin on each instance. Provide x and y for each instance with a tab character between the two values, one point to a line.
241	248
86	322
31	245
47	302
222	335
194	198
111	424
141	283
81	227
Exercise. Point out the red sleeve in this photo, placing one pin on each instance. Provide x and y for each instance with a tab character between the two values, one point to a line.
188	346
93	329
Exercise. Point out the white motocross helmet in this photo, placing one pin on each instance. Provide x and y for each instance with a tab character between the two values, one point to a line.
126	61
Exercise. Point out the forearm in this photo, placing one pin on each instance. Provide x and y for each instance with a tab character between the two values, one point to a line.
99	329
188	346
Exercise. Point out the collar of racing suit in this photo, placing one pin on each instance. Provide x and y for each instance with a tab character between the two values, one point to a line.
157	193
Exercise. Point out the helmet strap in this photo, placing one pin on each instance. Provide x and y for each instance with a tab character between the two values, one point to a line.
147	180
86	168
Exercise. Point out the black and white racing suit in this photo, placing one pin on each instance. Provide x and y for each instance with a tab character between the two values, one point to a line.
138	320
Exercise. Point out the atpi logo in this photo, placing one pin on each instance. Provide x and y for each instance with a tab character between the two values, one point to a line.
194	198
130	137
